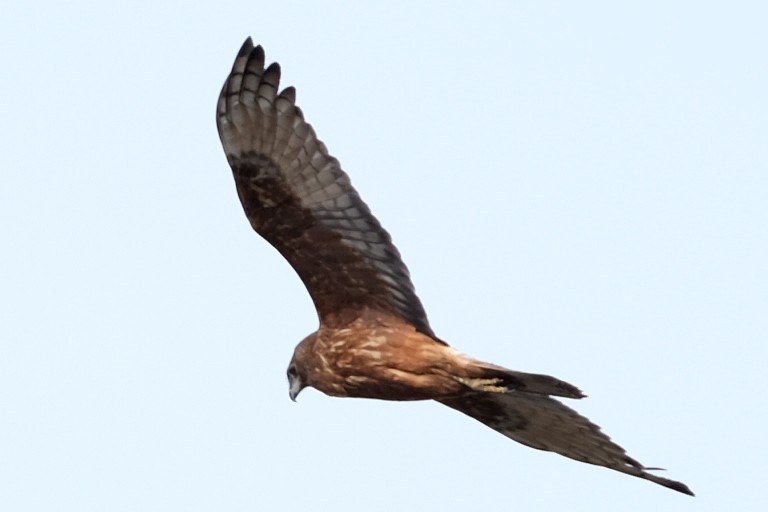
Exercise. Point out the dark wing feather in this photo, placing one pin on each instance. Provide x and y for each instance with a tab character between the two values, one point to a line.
544	423
297	197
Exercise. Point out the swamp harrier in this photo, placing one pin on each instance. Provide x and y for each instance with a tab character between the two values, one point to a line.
374	340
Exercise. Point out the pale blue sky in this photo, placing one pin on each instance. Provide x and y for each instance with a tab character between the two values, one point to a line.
578	188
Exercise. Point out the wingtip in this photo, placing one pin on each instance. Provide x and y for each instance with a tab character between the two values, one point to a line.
273	70
246	48
571	391
289	94
666	482
680	487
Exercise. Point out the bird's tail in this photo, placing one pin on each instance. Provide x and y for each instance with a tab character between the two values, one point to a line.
491	378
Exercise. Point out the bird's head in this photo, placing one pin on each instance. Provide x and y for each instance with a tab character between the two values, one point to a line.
295	381
297	370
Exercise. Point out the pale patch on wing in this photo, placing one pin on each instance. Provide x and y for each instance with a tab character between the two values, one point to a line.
359	379
487	385
373	341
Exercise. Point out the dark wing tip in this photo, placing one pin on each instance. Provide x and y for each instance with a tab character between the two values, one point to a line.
289	94
673	484
272	71
643	472
666	482
247	47
681	487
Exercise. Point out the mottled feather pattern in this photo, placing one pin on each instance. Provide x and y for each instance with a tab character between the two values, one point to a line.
298	198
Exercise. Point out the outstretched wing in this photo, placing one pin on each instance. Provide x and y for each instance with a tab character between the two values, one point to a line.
297	197
544	423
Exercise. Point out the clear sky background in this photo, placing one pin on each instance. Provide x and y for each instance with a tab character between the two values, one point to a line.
578	188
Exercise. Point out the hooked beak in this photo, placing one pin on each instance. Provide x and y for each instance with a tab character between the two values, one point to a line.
294	387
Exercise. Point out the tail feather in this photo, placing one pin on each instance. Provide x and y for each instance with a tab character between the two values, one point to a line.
535	383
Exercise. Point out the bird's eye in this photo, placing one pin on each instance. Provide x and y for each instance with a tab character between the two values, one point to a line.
292	373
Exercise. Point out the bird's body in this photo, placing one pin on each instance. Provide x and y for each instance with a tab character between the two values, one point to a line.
380	356
397	362
374	339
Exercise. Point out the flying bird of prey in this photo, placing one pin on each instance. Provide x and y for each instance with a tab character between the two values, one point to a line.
374	340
